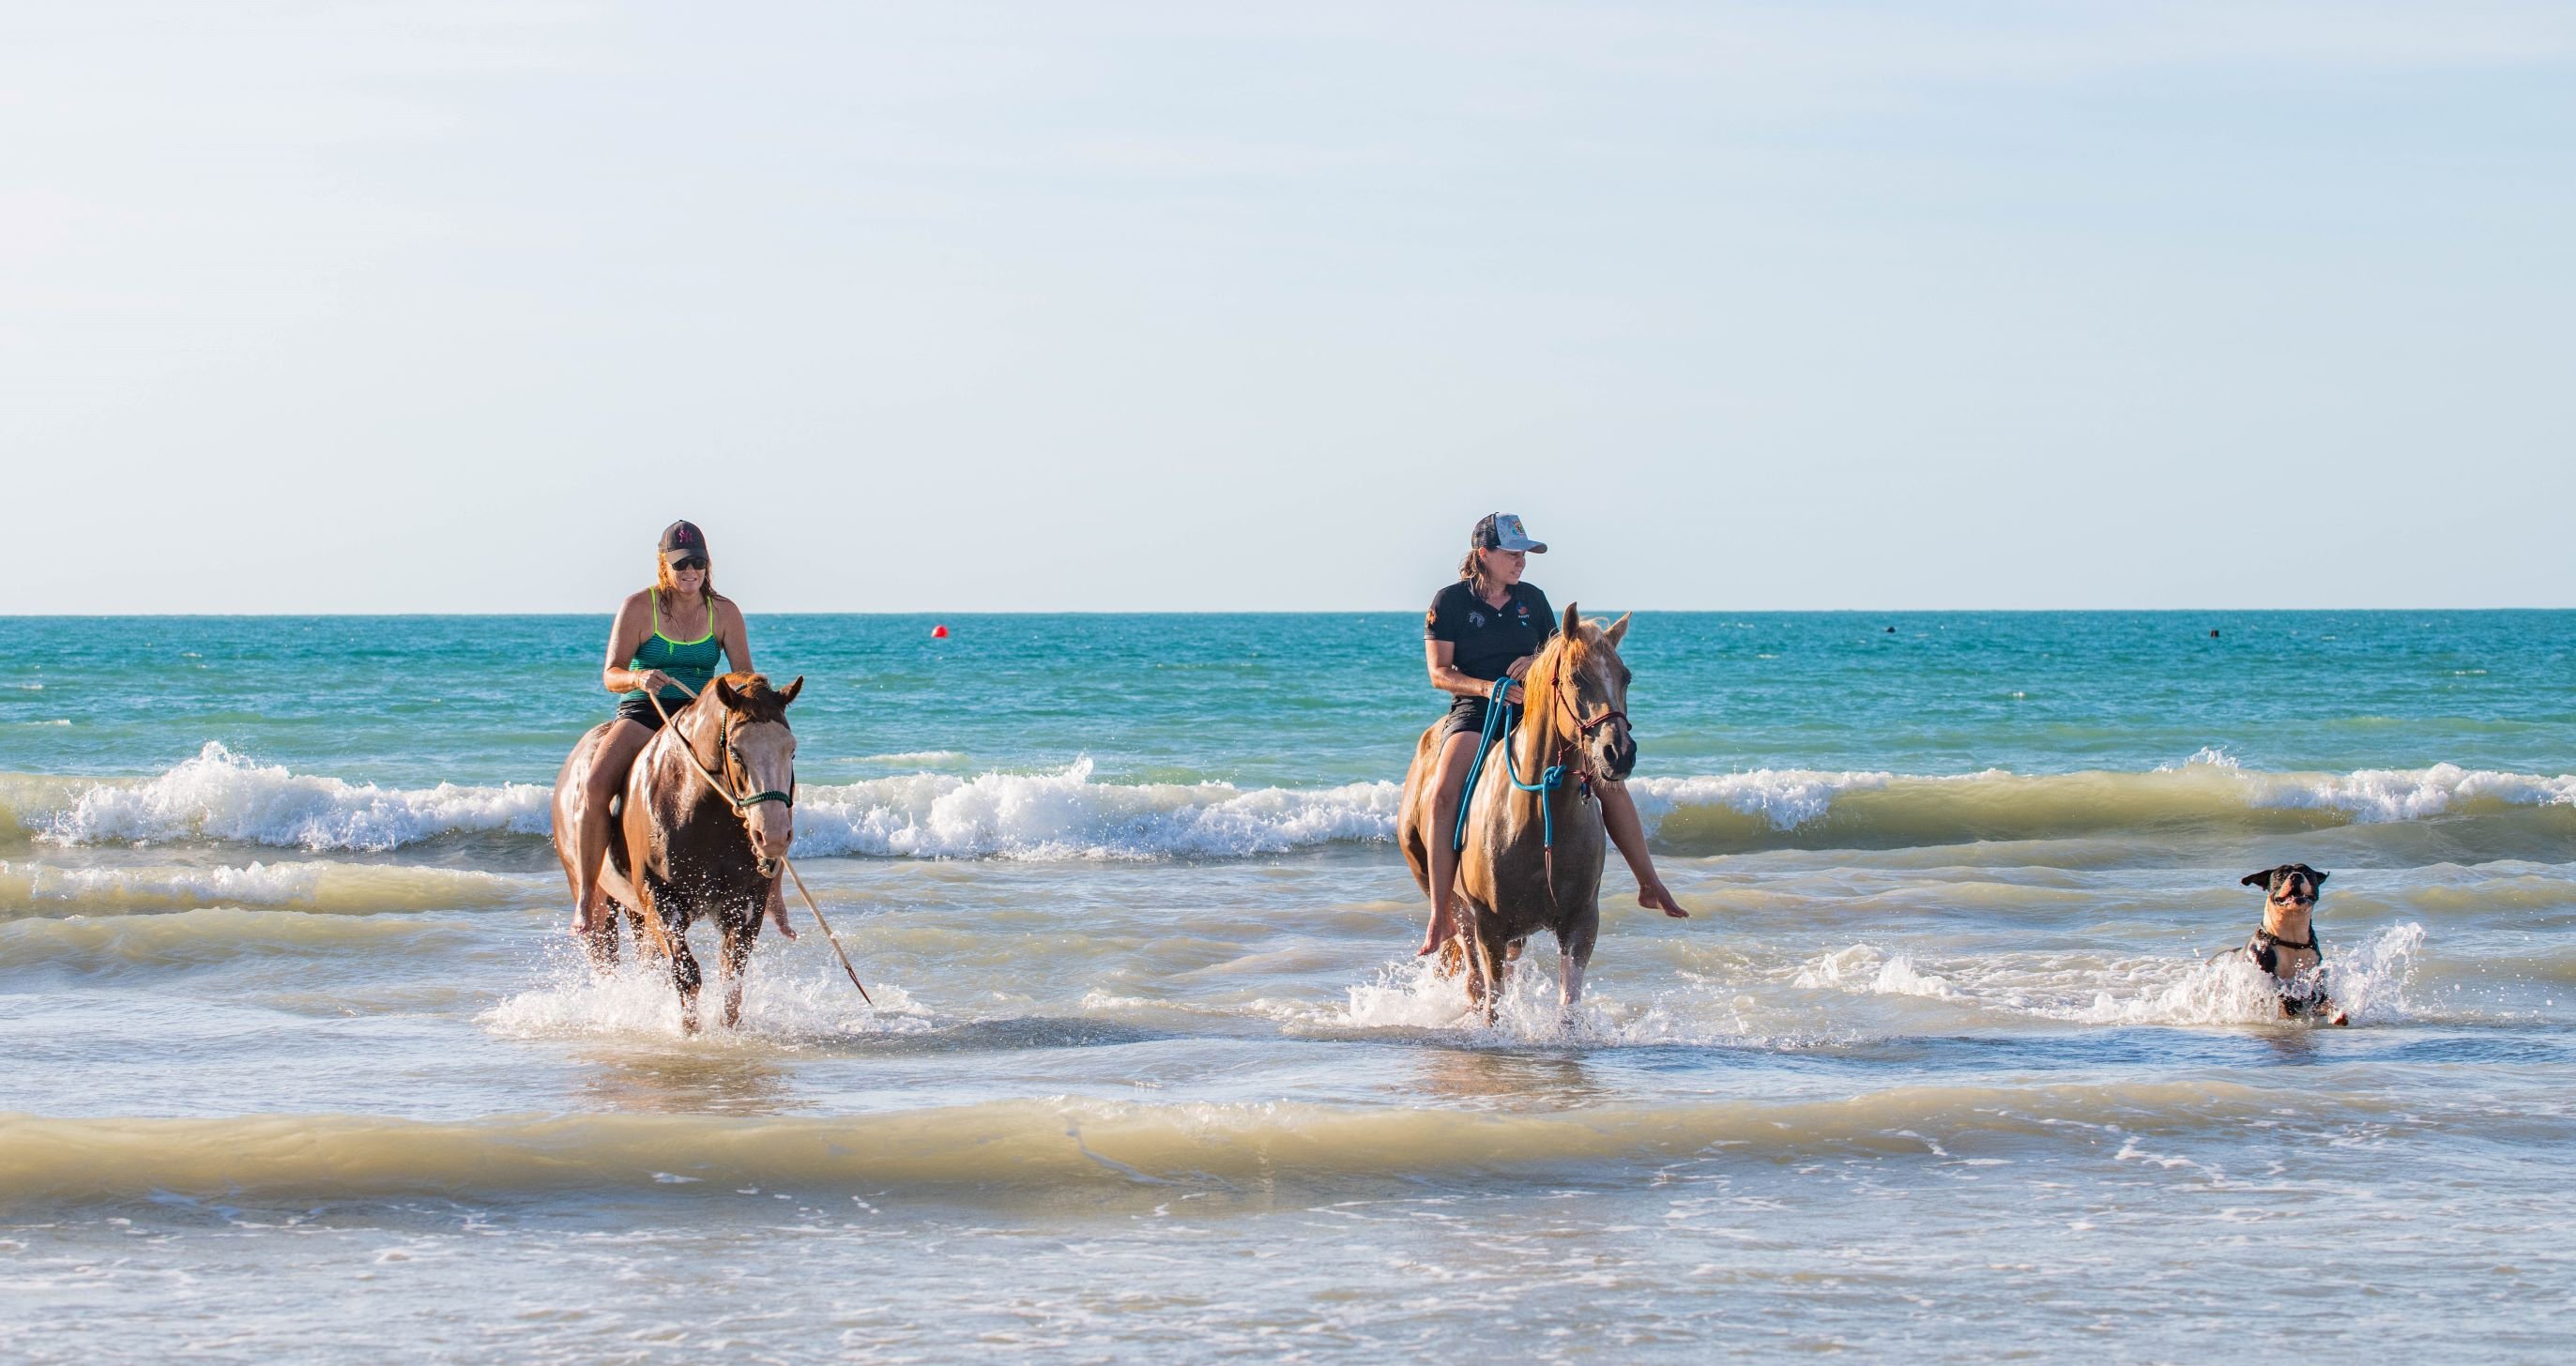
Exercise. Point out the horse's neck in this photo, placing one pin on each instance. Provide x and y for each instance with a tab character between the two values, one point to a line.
1537	743
687	743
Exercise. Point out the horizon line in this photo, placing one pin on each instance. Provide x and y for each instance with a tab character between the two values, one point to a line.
965	613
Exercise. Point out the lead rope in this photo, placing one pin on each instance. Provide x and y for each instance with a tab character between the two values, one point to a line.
739	803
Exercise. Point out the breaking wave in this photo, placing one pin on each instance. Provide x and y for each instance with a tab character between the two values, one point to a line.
221	796
1069	814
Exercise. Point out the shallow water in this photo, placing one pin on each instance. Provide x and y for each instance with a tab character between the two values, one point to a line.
1938	1068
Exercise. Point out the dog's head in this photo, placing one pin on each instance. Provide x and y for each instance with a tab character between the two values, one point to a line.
2291	884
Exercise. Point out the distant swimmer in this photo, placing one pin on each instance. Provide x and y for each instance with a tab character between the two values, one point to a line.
666	636
1484	628
2286	945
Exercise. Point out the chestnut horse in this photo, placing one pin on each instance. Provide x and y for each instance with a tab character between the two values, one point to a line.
682	849
1535	841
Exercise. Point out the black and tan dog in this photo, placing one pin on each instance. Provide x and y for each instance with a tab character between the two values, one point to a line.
2286	946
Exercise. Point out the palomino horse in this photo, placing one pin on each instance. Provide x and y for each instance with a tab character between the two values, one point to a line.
1533	857
685	849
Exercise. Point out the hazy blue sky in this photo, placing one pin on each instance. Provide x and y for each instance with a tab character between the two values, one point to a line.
951	306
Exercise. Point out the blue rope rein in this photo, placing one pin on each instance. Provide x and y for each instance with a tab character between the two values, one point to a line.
1498	724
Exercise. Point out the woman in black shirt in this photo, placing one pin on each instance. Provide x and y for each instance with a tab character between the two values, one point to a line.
1485	627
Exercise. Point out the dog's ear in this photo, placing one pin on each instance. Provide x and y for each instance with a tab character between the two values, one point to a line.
788	694
2262	879
2314	876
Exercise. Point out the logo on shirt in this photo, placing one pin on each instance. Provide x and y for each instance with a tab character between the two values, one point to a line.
1476	619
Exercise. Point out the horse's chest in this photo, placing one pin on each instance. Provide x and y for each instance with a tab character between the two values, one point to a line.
703	851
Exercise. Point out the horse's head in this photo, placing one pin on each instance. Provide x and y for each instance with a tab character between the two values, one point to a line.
1587	694
756	758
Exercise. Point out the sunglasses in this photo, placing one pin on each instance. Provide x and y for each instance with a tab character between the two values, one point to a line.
693	562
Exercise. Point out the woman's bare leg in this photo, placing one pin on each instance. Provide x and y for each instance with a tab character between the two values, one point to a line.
1619	813
1448	788
607	778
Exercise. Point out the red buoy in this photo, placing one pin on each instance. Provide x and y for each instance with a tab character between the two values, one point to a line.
939	633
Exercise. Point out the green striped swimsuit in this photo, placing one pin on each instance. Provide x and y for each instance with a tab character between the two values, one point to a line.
692	662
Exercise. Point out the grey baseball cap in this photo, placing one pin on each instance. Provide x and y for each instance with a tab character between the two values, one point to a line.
1503	531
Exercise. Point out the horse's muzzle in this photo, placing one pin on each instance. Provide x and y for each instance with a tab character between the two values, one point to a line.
1621	758
767	864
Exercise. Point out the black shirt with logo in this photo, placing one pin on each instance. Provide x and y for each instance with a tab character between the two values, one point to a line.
1489	638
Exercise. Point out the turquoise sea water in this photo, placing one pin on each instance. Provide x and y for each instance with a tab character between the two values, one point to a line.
1293	700
1941	1065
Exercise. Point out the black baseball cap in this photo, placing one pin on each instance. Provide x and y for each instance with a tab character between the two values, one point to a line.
680	540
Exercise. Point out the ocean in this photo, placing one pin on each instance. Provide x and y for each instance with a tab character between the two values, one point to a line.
302	1066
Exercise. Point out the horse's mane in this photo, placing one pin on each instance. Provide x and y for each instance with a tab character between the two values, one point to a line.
760	701
1567	655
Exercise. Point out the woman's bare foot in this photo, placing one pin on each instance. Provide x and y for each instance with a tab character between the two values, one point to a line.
1655	896
1435	934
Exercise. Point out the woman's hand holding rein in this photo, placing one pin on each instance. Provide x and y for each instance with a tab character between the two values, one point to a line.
652	681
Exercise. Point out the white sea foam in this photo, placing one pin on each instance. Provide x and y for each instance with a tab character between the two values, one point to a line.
259	884
221	796
791	995
1863	969
317	885
1788	798
2388	794
1415	995
1066	815
917	756
2368	980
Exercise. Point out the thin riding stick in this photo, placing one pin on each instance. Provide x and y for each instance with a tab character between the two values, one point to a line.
738	803
799	879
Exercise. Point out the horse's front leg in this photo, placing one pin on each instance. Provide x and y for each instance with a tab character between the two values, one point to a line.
741	931
1487	970
1574	954
685	976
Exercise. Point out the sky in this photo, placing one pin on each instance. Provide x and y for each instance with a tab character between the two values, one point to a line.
1062	306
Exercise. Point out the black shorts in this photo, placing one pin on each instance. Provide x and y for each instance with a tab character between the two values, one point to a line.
640	710
1467	716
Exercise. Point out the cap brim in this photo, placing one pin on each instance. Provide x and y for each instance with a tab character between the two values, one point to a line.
673	557
1533	547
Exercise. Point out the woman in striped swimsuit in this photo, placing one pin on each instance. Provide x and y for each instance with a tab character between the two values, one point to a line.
667	636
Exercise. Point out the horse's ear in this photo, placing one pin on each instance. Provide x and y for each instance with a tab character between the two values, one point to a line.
1572	626
788	694
724	693
1617	629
